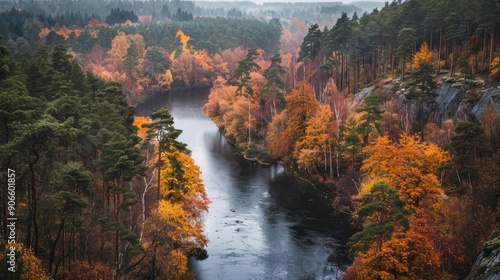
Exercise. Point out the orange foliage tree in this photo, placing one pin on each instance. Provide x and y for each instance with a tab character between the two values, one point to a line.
183	68
138	122
220	95
406	256
230	112
231	57
96	23
236	122
410	167
315	150
439	135
402	211
300	107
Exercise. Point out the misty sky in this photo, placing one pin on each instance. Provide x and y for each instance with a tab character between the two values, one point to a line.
263	1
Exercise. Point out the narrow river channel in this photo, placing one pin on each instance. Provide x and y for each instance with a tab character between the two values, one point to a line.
262	223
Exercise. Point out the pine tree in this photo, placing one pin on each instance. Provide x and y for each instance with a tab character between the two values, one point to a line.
371	118
406	40
311	44
162	129
272	91
422	89
131	60
382	211
241	78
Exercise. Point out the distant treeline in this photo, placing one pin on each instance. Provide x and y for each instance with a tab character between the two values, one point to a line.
373	44
98	7
212	34
77	12
15	23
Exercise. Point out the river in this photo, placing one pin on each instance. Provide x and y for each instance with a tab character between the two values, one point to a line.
262	223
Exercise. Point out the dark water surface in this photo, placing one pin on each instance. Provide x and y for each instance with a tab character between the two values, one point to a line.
262	223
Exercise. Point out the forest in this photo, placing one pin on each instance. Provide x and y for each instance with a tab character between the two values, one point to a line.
392	112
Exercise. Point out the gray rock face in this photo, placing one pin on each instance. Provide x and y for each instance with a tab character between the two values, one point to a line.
487	266
490	97
359	98
447	102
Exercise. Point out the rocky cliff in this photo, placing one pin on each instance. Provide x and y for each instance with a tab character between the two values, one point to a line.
487	266
448	101
452	96
491	96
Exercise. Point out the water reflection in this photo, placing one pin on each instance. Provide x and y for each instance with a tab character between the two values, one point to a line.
263	223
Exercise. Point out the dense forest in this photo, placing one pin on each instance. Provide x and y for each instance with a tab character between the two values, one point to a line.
392	112
83	177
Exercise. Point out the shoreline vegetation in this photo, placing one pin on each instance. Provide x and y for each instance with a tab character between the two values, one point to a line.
396	109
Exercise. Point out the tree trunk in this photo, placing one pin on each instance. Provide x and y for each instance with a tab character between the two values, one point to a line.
117	255
422	121
63	257
330	158
439	48
342	73
325	160
143	203
403	69
53	249
249	123
484	49
159	175
117	236
491	46
34	216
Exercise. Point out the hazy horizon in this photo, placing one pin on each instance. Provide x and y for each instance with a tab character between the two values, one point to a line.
291	1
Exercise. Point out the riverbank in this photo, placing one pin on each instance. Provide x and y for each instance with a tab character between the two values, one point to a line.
275	213
175	87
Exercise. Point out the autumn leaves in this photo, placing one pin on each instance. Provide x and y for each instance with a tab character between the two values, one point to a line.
146	69
400	206
173	230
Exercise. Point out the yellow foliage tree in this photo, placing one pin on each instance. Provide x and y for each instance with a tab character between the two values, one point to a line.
178	261
183	192
27	266
184	40
424	54
119	47
176	230
138	40
495	67
165	80
204	60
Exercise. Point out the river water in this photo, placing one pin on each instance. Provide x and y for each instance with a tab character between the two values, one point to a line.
262	223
